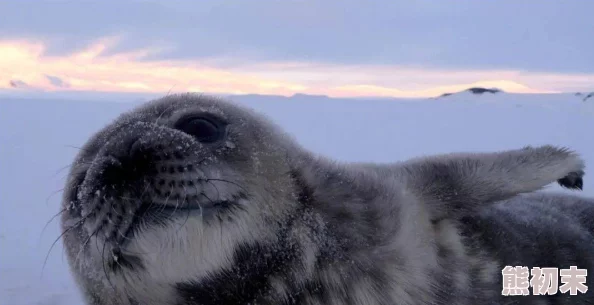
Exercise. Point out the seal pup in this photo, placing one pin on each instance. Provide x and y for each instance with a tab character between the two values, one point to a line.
189	199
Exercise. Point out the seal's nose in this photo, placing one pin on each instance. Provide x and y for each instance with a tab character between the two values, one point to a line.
130	162
122	149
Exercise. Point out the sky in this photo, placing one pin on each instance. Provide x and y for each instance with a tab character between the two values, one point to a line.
341	48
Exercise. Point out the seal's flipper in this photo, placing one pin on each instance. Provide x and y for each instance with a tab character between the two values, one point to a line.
455	184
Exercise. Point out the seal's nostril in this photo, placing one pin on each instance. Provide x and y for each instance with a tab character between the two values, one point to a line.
129	162
125	149
135	148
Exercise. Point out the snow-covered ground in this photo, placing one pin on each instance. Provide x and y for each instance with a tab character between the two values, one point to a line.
38	140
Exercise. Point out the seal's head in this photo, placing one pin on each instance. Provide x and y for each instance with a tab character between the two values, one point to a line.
166	193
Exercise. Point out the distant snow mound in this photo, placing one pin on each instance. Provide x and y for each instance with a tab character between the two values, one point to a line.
303	95
585	96
476	90
19	84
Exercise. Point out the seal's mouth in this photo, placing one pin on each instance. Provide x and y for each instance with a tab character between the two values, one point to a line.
205	210
111	207
151	214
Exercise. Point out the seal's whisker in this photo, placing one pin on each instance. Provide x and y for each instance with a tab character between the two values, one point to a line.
177	204
76	147
185	220
144	191
218	216
227	181
207	198
162	113
84	245
77	224
127	251
188	212
104	267
48	222
114	209
216	188
63	168
117	261
97	239
123	235
52	194
117	229
52	219
166	199
169	91
70	165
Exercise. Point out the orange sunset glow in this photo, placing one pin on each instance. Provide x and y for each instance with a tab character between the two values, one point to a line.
25	64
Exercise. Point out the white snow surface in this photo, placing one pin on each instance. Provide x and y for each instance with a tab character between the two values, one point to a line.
39	136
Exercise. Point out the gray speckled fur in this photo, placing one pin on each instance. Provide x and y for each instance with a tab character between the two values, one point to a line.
313	231
540	229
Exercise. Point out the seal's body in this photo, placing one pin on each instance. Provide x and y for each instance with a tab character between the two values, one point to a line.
192	200
536	230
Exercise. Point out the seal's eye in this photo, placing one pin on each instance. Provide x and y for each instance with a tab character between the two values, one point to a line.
206	129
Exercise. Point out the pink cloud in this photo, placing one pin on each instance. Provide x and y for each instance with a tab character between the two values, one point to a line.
92	70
